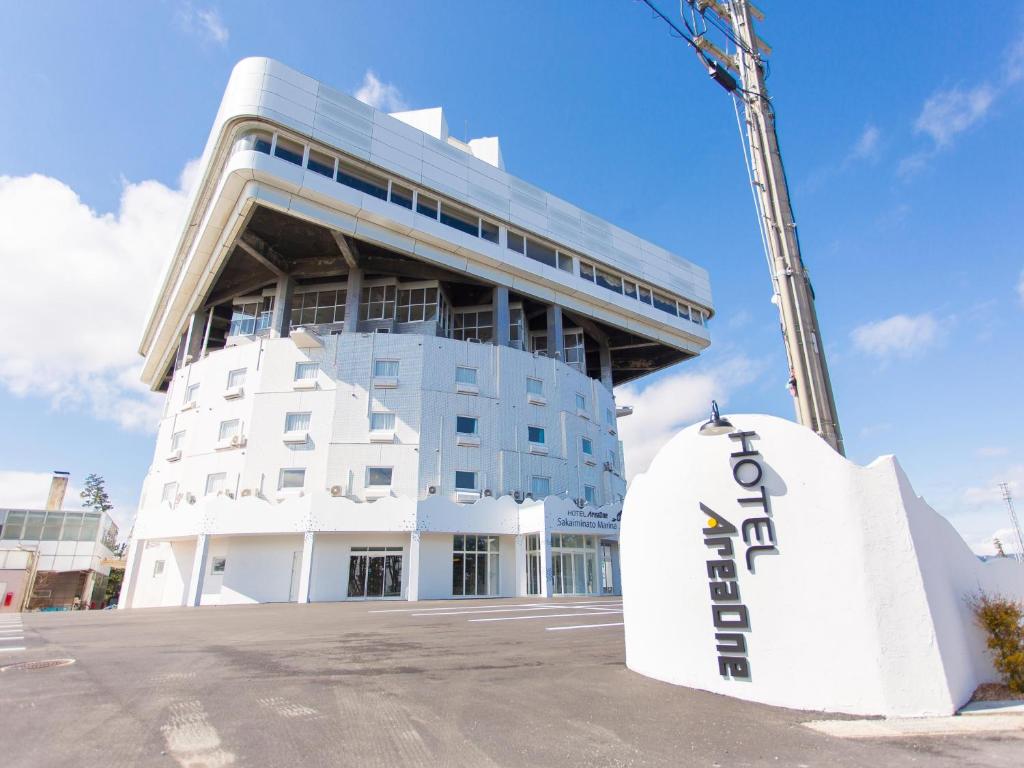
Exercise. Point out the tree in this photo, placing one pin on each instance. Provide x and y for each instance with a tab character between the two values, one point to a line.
94	495
999	548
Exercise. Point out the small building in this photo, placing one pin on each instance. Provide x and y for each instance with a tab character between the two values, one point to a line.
49	557
389	365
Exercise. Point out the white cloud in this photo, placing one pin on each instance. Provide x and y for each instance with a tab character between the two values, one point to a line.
84	282
987	545
384	96
866	146
900	335
672	402
1014	69
205	23
948	113
28	490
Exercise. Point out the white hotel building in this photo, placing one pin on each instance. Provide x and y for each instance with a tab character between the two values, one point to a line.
388	365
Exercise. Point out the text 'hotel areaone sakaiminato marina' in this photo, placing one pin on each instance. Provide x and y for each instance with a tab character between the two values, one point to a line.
388	365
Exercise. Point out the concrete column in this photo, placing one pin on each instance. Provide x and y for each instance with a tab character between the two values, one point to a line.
556	337
606	364
90	581
306	568
547	583
352	299
282	317
412	584
194	336
522	572
195	585
131	571
502	319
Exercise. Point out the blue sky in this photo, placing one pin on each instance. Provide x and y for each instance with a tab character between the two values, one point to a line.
897	132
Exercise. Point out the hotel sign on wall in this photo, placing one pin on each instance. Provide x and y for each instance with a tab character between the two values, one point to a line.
587	519
734	547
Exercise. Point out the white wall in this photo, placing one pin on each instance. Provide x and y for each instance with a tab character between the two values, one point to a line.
859	608
331	553
258	569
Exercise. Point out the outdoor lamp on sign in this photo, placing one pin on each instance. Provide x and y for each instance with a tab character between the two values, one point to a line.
716	425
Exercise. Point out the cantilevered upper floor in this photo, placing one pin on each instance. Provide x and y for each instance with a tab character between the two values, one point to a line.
317	211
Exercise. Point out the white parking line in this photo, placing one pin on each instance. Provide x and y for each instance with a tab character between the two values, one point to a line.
504	606
541	616
584	626
5	650
462	611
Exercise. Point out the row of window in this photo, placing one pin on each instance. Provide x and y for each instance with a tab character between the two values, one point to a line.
49	526
459	218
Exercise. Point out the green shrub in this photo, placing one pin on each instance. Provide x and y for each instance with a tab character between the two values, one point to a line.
1002	618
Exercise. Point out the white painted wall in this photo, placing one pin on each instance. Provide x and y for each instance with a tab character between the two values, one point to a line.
258	569
860	610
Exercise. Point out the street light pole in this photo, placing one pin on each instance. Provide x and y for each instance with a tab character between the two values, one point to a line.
809	380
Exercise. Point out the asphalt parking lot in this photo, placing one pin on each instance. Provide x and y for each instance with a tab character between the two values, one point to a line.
455	683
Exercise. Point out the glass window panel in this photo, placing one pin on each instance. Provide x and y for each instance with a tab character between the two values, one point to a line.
385	368
470	582
170	491
215	482
516	242
540	252
684	311
357	576
459	543
588	446
535	386
72	526
481	575
645	295
392	575
320	163
190	393
52	526
466	425
581	402
236	378
540	486
378	476
258	141
34	526
629	288
564	262
324	314
305	371
586	271
457	571
609	281
291	478
488	231
228	429
465	375
218	565
289	150
90	527
401	195
465	481
664	303
297	422
460	220
364	181
590	494
380	421
426	205
535	434
177	441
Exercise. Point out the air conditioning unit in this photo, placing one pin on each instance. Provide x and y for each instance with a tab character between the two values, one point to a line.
229	494
336	490
233	393
432	490
517	496
247	492
190	498
609	467
174	455
487	492
237	441
581	503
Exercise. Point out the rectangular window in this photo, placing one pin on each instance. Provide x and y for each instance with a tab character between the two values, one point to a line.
540	486
609	417
236	378
34	526
645	295
215	483
540	252
52	526
291	479
320	163
190	393
90	527
587	271
385	369
609	281
15	521
465	375
364	181
488	231
426	205
378	302
575	351
467	425
169	493
664	303
378	476
477	324
381	421
590	494
417	304
611	458
177	441
534	386
218	565
475	565
158	568
297	422
564	262
401	195
535	435
588	446
581	402
289	150
306	371
465	481
460	220
516	242
318	307
259	141
228	429
683	310
629	289
244	318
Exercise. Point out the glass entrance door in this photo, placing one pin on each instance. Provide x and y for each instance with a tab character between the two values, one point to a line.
372	573
573	564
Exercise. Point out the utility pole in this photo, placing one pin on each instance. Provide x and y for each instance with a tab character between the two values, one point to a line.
1008	498
809	381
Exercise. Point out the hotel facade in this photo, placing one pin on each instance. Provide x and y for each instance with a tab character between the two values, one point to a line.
389	365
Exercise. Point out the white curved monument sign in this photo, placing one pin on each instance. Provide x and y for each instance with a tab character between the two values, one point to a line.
761	564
